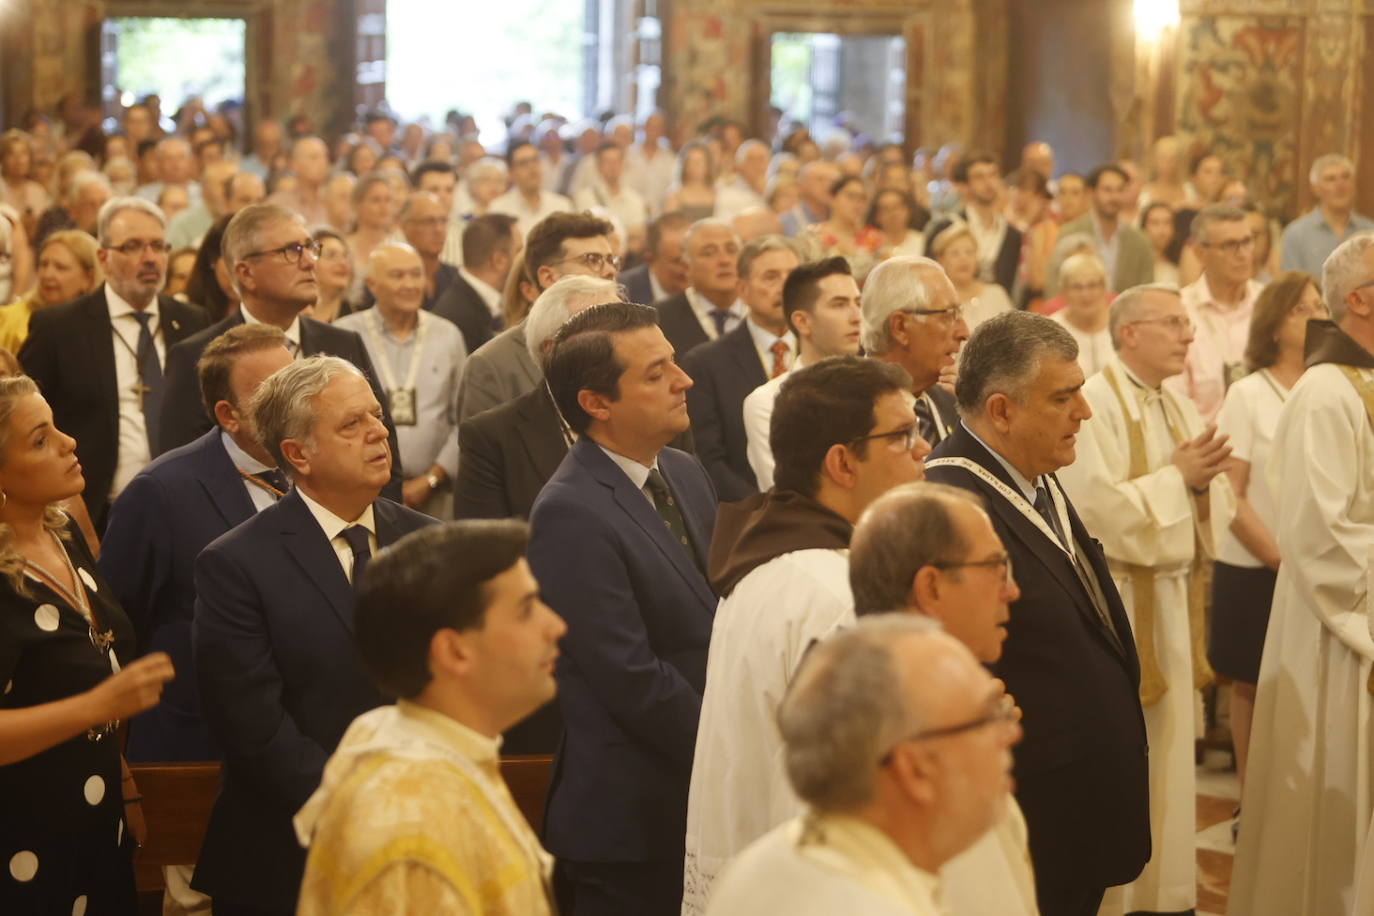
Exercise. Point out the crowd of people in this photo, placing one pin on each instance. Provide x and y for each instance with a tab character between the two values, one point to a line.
794	496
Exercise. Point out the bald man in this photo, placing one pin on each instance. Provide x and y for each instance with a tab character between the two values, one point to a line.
424	222
418	357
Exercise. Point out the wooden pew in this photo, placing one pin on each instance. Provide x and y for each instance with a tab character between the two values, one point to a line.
177	798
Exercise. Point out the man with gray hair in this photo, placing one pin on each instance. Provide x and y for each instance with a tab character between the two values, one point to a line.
272	260
1149	480
510	451
727	369
1219	304
709	307
1309	240
78	209
1070	657
99	360
279	676
1313	722
899	743
912	317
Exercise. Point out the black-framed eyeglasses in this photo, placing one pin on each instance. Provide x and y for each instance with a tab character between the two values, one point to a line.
906	437
292	253
1005	714
134	247
1004	562
954	312
594	260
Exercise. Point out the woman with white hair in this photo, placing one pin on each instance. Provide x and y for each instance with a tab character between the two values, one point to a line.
1083	284
957	253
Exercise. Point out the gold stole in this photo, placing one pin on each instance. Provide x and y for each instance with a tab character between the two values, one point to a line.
1365	389
1152	683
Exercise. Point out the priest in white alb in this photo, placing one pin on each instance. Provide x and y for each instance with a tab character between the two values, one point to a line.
1307	800
1149	486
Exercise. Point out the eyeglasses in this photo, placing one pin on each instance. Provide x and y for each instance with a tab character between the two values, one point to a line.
1004	714
594	260
135	247
954	312
1235	246
292	253
1004	562
906	438
1174	323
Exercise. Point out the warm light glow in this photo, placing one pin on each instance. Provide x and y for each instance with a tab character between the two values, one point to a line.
1153	17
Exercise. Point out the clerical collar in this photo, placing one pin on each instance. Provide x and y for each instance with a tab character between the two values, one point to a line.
1135	379
1026	487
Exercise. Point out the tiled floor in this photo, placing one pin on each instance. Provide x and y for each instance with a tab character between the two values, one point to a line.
1218	793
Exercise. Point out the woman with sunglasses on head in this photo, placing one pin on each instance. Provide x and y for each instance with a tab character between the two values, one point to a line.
72	819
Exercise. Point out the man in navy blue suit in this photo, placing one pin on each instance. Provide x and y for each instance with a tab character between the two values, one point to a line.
165	517
620	537
279	677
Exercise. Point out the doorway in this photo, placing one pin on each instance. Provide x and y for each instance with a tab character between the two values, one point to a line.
175	59
828	81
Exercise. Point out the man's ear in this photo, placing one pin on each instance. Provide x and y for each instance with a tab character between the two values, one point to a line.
449	652
226	416
295	454
594	404
998	409
841	466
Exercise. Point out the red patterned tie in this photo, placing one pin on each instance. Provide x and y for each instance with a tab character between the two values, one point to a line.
779	349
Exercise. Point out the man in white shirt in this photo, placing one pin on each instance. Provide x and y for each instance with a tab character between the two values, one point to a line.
279	674
1219	304
527	200
418	357
609	193
780	564
922	772
176	168
820	303
726	370
651	163
750	180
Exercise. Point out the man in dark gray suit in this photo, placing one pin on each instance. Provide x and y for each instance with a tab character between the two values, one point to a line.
664	271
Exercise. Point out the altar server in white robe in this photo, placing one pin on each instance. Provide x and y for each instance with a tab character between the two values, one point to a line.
921	770
1307	797
845	433
1148	484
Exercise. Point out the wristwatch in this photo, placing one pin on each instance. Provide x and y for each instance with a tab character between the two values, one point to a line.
433	481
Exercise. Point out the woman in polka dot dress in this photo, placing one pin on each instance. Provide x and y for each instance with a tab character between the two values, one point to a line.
66	804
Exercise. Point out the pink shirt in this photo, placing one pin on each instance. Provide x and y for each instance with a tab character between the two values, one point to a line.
1219	340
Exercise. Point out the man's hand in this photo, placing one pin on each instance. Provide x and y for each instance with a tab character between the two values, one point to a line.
415	492
1201	459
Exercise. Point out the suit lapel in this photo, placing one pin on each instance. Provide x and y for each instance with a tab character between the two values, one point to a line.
641	511
305	541
175	327
746	356
101	357
222	482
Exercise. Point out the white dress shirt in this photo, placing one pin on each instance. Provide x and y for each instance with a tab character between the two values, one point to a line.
514	203
491	296
763	343
293	333
246	462
638	473
133	452
333	528
626	205
703	308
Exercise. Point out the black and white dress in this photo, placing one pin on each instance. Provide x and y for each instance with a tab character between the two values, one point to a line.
65	847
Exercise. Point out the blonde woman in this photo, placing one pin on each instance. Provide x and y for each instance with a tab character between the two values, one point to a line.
1083	284
957	252
67	268
72	815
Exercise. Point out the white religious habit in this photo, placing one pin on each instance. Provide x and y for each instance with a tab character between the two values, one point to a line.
1159	547
1307	799
780	560
818	865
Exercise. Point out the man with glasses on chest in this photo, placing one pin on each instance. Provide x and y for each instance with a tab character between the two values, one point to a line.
272	259
1220	304
100	360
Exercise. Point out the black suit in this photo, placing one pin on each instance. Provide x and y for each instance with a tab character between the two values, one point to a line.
724	371
1008	258
1082	774
638	287
70	353
465	307
679	323
184	417
280	681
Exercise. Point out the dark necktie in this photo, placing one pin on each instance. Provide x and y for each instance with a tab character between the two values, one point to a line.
925	423
669	511
276	478
1046	510
356	536
720	316
149	378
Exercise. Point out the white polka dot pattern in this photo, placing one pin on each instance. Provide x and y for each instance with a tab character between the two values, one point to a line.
79	906
46	617
23	866
88	579
94	790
